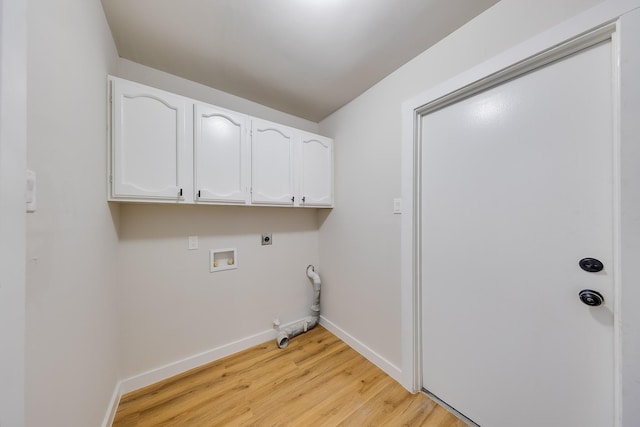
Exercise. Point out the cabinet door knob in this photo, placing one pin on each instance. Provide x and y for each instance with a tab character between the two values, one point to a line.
293	199
180	193
198	193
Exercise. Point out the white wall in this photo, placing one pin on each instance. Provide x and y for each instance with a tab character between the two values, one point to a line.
172	307
367	135
13	158
72	339
159	79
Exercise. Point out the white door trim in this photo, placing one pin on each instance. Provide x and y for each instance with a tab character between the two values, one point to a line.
593	21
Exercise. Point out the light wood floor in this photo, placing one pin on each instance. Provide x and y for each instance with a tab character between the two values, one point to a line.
316	381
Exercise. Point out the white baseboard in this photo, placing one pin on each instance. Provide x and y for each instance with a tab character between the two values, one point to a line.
163	372
113	405
389	368
167	371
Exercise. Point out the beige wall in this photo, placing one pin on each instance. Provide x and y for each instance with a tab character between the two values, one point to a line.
72	343
367	133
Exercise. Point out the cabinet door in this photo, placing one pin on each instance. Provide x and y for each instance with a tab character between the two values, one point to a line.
316	170
221	156
148	143
272	163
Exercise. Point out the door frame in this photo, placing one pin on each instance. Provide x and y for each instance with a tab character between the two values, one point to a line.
611	17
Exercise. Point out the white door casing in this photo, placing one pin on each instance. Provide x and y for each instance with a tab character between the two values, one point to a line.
628	298
626	206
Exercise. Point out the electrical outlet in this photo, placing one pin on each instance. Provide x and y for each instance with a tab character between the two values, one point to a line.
266	239
193	242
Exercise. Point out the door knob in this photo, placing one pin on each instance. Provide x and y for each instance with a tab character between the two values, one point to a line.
591	298
591	265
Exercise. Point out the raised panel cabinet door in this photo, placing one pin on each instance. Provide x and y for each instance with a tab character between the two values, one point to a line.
272	163
148	142
316	170
221	156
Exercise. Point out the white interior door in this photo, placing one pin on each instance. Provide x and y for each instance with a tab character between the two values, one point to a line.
517	188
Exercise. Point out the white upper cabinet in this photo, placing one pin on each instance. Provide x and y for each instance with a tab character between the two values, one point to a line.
148	143
166	148
316	170
272	160
221	156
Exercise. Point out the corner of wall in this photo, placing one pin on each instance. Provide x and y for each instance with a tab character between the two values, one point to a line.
71	313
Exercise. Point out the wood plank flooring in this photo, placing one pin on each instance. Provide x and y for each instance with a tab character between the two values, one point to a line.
317	380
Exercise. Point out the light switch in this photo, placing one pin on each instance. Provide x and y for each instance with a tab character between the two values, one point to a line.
397	206
193	242
31	191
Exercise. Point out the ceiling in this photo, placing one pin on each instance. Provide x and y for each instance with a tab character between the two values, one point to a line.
303	57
